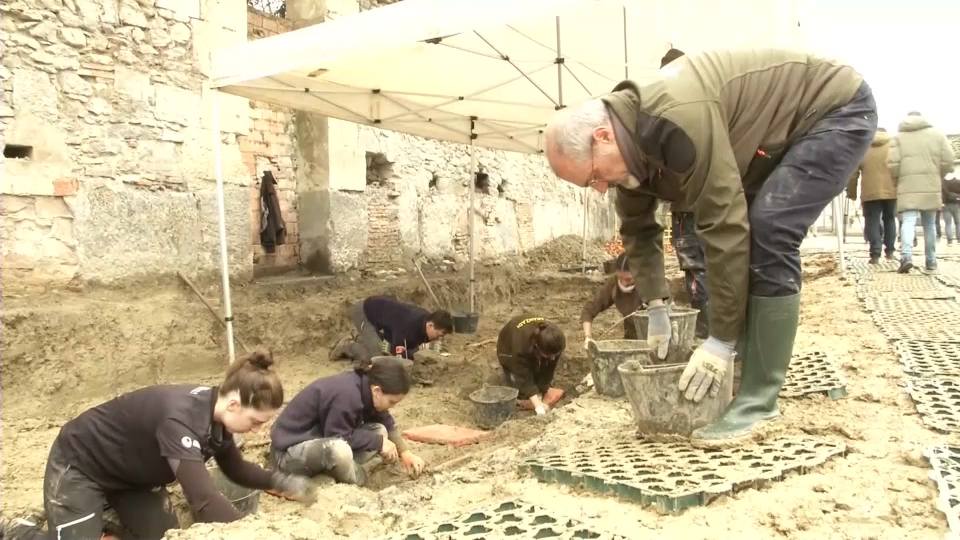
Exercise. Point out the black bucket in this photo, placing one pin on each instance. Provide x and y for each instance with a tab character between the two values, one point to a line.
465	323
494	405
245	500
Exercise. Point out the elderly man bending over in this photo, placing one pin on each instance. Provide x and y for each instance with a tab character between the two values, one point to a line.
756	144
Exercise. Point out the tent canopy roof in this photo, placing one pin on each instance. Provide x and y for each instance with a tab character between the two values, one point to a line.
488	71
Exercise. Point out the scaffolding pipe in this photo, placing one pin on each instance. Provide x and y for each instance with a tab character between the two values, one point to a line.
838	227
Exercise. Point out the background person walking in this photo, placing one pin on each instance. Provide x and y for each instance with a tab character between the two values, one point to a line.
920	156
878	194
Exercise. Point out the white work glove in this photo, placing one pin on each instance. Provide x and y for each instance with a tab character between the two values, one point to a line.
541	409
658	329
706	369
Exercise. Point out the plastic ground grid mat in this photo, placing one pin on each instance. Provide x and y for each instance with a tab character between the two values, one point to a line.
893	282
863	266
510	519
941	326
929	359
936	293
672	477
938	402
950	280
813	373
945	465
909	305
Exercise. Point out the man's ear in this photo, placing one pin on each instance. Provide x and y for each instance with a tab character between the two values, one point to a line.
603	134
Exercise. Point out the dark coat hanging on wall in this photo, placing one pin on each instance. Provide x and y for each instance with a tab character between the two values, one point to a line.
273	231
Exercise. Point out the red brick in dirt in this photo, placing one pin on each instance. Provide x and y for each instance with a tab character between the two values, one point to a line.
443	434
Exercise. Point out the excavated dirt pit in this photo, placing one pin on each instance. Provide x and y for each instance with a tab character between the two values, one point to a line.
63	353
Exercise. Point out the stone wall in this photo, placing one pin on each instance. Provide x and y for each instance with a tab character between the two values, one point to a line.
108	166
107	169
419	203
270	146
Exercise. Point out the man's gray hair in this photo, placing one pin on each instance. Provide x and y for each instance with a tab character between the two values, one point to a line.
572	129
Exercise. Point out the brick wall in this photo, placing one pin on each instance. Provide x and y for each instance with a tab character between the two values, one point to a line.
384	242
525	231
270	146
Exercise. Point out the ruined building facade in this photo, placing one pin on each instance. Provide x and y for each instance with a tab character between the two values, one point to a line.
108	157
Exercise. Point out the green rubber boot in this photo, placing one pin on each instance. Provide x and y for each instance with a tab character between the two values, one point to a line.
770	331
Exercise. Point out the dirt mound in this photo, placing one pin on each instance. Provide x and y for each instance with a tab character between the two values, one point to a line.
567	251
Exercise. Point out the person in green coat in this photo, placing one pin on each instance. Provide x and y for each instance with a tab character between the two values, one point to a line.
756	143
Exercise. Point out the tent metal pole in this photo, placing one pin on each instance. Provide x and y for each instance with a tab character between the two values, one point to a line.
583	255
221	210
626	59
473	187
559	62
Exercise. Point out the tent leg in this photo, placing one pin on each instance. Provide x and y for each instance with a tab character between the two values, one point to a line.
583	255
224	263
473	188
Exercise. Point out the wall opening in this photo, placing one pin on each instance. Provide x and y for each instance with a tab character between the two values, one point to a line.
17	151
434	181
379	169
481	181
277	8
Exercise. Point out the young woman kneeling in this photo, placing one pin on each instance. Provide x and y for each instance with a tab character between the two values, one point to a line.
529	349
124	453
338	423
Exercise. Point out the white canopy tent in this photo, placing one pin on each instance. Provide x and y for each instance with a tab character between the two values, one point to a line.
487	73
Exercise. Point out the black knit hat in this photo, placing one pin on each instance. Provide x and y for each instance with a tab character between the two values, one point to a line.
671	55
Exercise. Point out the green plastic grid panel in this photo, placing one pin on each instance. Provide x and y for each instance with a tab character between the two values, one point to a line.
945	473
672	477
813	373
909	305
938	402
929	359
509	519
943	326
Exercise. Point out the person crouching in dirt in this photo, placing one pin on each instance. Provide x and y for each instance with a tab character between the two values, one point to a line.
405	327
125	451
529	349
690	256
756	143
619	291
338	423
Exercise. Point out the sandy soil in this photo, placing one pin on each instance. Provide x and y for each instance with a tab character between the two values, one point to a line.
65	352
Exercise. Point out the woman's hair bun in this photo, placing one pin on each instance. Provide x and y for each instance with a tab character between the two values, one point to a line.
363	365
261	359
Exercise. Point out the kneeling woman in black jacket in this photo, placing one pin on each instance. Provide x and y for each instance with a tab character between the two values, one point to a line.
125	452
529	349
337	423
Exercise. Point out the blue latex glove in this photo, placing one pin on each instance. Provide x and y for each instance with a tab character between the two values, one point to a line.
706	369
659	330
